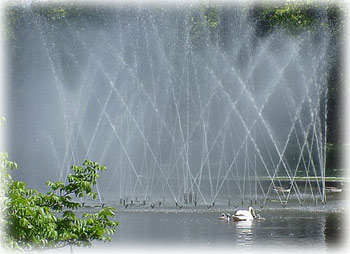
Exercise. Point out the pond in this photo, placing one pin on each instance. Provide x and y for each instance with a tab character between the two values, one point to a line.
305	228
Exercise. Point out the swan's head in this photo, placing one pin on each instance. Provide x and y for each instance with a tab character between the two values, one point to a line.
252	211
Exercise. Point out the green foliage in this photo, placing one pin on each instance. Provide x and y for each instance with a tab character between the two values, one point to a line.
35	220
297	16
54	13
206	22
211	15
293	17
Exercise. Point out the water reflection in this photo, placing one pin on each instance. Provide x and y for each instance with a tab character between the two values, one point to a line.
333	229
244	234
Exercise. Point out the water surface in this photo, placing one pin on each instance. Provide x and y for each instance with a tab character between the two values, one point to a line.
318	227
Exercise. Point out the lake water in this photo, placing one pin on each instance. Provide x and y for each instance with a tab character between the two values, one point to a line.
315	228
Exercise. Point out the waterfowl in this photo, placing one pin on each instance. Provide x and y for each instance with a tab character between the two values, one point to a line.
280	189
244	215
333	190
258	217
225	217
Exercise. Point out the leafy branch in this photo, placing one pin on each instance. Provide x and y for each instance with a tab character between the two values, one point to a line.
36	220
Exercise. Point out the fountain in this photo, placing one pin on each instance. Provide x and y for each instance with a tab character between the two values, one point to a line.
180	108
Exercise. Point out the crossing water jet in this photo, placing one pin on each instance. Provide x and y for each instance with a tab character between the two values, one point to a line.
179	108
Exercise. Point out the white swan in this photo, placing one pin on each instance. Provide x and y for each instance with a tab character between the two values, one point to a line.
244	215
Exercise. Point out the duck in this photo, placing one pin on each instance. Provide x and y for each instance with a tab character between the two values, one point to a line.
225	217
280	189
333	190
259	218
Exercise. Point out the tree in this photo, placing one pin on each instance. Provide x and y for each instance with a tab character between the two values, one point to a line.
36	220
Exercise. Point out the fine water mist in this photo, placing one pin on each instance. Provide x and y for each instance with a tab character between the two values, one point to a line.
180	105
